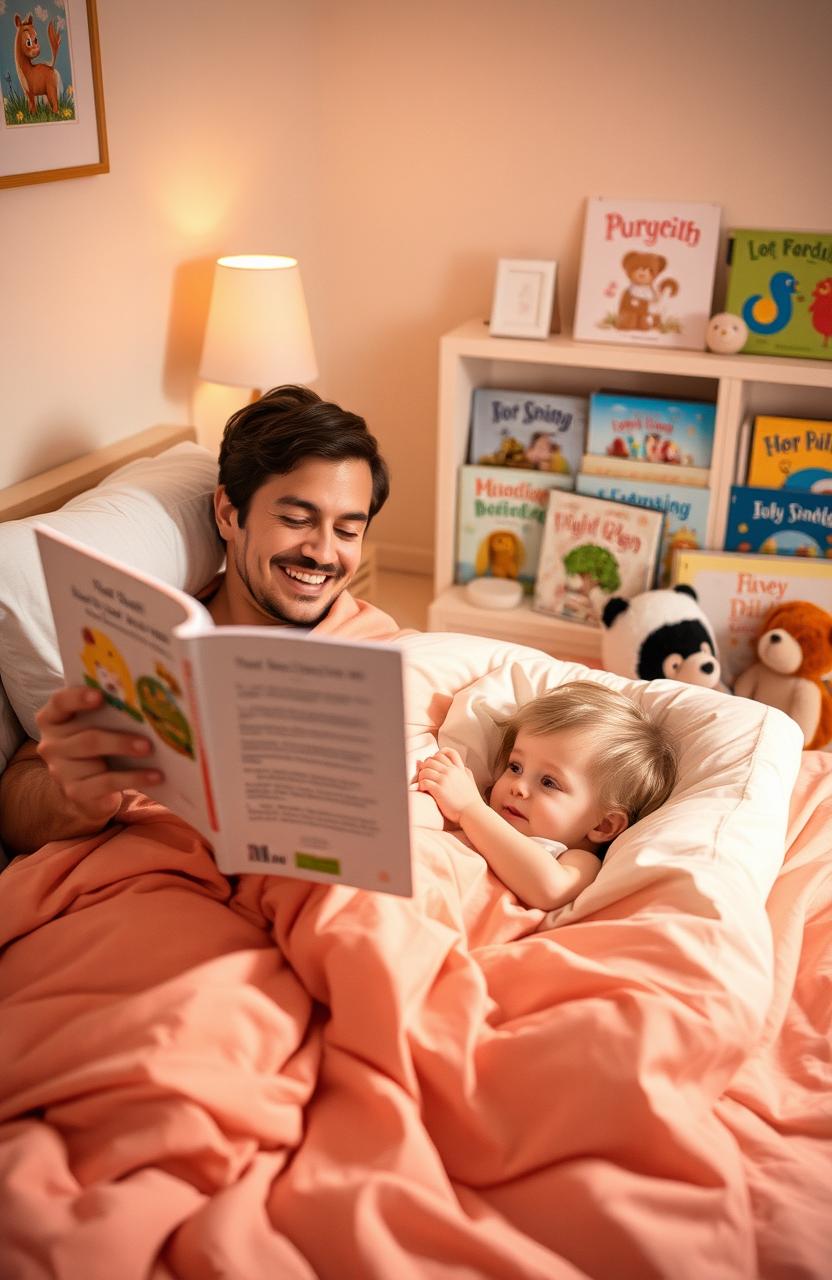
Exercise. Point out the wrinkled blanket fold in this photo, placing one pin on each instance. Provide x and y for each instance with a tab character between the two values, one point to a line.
264	1077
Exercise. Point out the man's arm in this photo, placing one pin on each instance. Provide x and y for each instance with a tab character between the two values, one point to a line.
63	787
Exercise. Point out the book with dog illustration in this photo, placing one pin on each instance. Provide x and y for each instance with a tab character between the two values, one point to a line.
784	522
647	272
651	429
500	516
528	429
780	282
593	549
285	750
685	510
791	453
736	591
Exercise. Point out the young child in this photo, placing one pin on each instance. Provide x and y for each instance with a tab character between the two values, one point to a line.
576	766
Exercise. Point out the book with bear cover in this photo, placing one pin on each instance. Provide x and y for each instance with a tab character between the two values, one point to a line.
651	429
593	549
500	513
285	750
780	282
647	272
737	591
783	522
791	453
685	510
533	430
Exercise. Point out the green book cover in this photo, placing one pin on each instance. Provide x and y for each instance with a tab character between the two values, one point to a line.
780	282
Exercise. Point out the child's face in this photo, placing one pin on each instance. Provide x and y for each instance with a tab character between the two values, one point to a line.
547	789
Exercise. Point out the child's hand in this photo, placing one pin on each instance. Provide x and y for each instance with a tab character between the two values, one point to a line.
452	786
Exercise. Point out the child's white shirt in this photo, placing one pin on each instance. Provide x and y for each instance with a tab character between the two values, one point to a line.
554	846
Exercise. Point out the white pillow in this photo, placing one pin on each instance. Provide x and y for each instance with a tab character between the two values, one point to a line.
155	513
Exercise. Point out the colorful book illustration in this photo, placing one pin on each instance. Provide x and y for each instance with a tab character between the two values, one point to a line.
647	272
737	591
779	522
604	464
527	429
685	509
260	732
651	429
791	453
780	282
500	515
591	550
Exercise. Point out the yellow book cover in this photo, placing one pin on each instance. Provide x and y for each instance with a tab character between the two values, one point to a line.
791	453
736	591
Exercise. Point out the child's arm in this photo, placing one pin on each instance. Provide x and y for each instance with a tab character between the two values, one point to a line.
523	865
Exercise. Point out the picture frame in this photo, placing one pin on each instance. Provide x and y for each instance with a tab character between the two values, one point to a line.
52	124
524	296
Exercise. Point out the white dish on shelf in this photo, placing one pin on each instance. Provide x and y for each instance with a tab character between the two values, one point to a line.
494	593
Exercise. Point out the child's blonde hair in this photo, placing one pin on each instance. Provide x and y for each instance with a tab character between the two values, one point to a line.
636	761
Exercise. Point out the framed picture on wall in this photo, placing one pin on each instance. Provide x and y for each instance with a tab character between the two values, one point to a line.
52	125
524	296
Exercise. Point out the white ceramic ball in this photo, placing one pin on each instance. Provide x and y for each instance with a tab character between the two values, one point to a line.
726	334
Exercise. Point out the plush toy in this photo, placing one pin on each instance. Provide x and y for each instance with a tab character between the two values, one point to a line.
794	650
660	635
726	334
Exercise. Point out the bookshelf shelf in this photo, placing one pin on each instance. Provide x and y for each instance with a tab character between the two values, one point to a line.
741	386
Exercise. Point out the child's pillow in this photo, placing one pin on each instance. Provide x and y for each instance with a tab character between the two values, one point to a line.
155	513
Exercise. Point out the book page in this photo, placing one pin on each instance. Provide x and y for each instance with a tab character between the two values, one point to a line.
115	633
308	745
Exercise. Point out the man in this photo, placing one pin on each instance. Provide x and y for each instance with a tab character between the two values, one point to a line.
299	482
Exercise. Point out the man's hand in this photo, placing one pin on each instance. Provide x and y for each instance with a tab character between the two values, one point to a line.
445	777
76	756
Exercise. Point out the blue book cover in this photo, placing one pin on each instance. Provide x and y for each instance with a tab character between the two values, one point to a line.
779	522
533	430
685	508
651	429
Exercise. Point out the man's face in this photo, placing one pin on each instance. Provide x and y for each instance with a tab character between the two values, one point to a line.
301	542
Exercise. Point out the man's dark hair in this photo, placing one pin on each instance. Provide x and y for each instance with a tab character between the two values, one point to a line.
280	431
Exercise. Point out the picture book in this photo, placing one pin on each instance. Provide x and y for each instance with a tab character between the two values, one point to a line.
500	514
591	550
779	522
685	509
791	453
780	282
285	750
650	429
529	429
604	464
647	272
737	591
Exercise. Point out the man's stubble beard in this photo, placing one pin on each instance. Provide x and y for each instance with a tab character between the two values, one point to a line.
267	606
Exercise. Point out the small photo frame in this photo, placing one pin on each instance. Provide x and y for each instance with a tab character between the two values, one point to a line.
524	296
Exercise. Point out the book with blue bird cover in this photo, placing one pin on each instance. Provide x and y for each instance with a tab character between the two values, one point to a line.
780	283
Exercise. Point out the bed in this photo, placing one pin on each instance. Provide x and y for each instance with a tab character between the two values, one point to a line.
259	1077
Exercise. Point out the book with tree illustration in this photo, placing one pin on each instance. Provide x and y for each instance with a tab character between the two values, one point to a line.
780	282
285	750
647	272
593	549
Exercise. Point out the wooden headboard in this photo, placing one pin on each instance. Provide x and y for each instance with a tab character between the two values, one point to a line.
52	488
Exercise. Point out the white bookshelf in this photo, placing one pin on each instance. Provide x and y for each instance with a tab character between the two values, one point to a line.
741	386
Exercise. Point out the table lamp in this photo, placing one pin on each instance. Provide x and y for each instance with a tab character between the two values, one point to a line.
258	333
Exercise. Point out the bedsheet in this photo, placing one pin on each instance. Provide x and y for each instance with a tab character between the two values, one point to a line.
262	1077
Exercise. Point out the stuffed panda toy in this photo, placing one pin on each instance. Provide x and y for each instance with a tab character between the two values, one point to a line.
660	635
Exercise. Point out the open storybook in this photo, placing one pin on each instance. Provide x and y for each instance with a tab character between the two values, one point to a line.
285	750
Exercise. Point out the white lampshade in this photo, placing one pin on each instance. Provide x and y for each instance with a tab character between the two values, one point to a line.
258	331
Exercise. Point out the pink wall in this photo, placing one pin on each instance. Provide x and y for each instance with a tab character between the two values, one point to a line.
399	150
